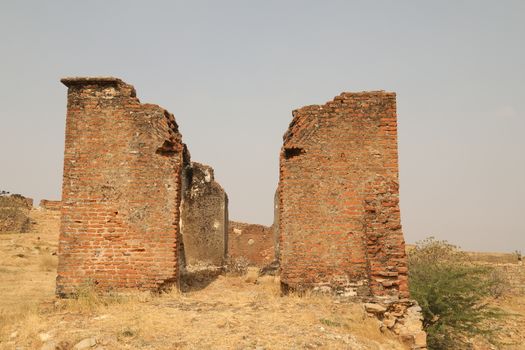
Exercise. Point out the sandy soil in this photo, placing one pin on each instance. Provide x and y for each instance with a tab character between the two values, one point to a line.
226	312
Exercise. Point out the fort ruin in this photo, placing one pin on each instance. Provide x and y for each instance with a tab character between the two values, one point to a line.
136	210
338	196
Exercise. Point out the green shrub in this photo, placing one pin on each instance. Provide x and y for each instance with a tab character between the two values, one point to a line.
453	294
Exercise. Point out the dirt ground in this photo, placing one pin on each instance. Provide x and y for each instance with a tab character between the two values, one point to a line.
226	312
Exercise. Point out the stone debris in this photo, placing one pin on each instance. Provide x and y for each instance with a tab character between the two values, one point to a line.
85	344
403	317
375	309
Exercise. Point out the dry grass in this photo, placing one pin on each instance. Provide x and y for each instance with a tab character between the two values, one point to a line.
228	314
223	312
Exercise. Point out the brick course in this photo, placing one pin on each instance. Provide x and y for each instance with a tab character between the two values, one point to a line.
338	202
121	190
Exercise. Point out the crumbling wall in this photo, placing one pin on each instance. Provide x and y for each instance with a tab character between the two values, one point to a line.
14	213
252	243
204	223
339	216
50	204
121	189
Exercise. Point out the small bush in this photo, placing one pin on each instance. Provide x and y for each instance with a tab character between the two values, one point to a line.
88	299
453	294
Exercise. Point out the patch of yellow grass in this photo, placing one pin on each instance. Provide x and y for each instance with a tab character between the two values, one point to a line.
226	312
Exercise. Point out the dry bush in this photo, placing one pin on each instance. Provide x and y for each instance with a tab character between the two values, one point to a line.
87	299
453	293
498	283
271	285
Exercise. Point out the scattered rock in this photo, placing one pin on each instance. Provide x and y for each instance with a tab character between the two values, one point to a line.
375	308
50	345
85	344
389	322
44	336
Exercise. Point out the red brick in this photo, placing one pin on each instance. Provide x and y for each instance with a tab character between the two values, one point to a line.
338	196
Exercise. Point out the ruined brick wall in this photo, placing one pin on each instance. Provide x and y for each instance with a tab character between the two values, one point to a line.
50	204
339	216
121	189
14	213
254	243
204	223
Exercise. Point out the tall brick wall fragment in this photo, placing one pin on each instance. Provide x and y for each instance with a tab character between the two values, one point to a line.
204	223
252	243
339	216
121	189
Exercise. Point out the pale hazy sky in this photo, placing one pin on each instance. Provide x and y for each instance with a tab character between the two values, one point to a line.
232	72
